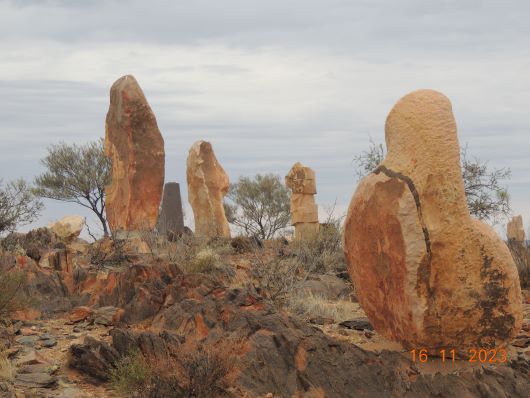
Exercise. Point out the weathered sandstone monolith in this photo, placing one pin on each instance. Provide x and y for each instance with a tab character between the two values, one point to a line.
515	229
428	274
171	220
136	148
304	211
207	185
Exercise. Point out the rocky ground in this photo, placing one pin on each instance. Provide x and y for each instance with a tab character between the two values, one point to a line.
91	314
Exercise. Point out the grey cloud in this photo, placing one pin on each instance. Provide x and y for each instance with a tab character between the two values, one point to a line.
360	27
389	41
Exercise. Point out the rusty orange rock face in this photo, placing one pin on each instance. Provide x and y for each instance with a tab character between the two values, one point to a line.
427	274
207	185
135	146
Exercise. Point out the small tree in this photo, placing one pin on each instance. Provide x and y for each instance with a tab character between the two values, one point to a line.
486	198
367	161
18	205
260	206
76	174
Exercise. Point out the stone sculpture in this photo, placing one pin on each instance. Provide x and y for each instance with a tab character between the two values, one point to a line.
304	211
428	274
515	229
171	220
207	185
136	148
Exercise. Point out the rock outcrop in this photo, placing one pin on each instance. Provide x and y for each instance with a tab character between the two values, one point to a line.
207	185
67	228
426	273
136	148
304	211
171	220
515	229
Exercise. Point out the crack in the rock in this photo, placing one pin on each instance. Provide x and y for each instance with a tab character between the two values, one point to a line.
393	174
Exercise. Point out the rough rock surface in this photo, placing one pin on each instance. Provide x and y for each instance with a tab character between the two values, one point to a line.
136	148
165	309
171	220
426	273
515	229
67	228
207	185
304	211
284	356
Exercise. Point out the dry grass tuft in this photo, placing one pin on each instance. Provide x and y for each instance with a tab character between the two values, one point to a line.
307	306
7	369
205	260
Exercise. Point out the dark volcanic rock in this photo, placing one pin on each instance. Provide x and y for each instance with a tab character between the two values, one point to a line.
34	243
35	380
289	357
357	324
171	219
94	358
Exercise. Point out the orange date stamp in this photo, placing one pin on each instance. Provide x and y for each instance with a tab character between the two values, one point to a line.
479	355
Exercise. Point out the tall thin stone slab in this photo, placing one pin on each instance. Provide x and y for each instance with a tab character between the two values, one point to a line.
207	185
171	219
426	273
135	146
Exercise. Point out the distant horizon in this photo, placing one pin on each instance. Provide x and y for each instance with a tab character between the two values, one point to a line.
268	84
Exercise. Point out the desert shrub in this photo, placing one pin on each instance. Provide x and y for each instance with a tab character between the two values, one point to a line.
7	369
18	205
108	252
259	206
521	256
130	374
324	253
12	297
206	370
192	369
275	276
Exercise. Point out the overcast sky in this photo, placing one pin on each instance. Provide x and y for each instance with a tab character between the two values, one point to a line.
268	82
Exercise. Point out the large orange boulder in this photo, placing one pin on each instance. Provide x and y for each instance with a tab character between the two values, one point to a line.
428	274
136	148
207	185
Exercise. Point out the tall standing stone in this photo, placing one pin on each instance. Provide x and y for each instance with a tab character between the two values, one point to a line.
136	148
428	274
207	185
515	229
304	211
171	220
